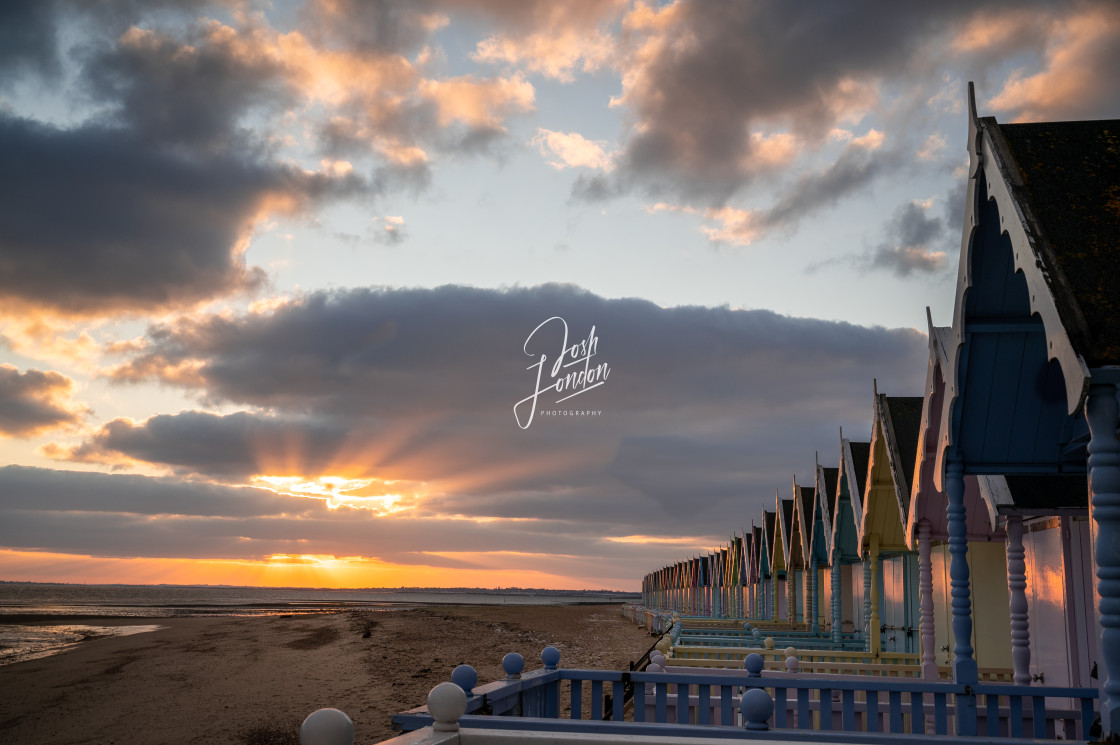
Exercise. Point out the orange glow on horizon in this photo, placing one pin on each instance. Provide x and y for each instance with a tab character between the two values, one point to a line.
699	543
281	570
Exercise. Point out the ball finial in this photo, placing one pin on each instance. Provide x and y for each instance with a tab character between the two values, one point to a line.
550	656
791	652
754	663
327	727
446	703
466	677
513	664
792	664
756	706
768	642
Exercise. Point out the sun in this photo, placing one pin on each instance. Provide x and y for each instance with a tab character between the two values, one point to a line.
375	495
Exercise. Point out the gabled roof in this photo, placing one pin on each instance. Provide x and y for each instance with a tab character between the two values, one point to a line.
927	502
802	525
1038	295
1069	175
783	530
886	497
756	553
848	499
861	458
766	548
820	540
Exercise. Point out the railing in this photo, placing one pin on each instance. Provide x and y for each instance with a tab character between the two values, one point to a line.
657	622
838	703
734	656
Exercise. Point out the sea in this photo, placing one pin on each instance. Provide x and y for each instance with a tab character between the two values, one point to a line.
37	620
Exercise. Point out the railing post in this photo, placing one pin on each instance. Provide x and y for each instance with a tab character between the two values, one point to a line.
925	588
1104	506
964	666
1017	584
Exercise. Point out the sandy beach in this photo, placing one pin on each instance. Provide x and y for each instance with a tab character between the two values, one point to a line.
251	681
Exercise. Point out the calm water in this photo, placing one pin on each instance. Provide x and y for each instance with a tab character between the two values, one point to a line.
28	611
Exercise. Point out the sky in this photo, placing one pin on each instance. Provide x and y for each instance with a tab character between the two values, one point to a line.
473	292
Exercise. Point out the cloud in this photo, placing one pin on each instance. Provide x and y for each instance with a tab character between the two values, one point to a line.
126	516
1076	81
27	40
932	148
382	26
190	92
475	102
34	402
571	150
706	89
98	223
392	231
551	39
420	386
911	243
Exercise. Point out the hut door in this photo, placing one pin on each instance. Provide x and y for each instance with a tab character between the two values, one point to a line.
1046	600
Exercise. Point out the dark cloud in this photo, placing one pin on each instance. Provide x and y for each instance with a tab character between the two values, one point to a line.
855	170
915	243
95	222
28	39
34	402
190	92
232	446
706	77
420	385
371	26
747	65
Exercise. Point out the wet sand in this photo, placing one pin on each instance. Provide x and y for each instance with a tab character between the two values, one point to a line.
251	681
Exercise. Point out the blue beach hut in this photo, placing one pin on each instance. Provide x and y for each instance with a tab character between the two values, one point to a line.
1034	350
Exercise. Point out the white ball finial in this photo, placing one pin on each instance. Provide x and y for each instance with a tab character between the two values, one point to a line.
446	703
327	727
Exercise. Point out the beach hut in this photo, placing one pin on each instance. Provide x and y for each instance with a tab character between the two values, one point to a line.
893	592
1034	351
758	574
787	580
770	579
820	559
799	551
848	582
927	533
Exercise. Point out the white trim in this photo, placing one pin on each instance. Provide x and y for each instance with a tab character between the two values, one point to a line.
985	161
